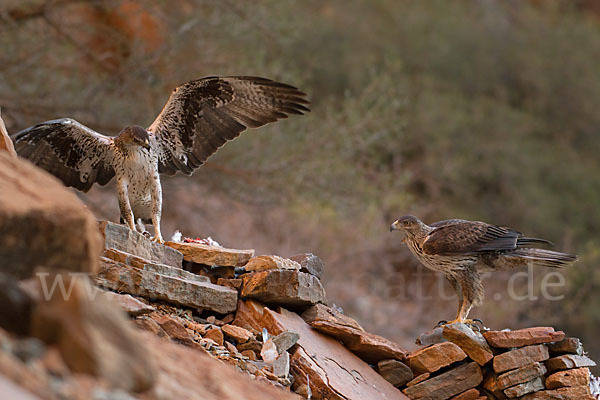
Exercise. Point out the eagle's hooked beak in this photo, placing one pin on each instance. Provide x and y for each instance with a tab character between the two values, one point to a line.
146	144
394	226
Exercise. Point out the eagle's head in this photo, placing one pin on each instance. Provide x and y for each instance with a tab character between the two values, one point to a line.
135	136
408	224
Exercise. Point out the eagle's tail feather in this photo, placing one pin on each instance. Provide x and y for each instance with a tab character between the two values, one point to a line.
524	241
545	258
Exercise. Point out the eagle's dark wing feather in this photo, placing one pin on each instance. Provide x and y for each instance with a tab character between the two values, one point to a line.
446	222
464	237
202	115
74	153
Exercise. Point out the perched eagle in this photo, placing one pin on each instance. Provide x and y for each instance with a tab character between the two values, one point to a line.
199	117
461	249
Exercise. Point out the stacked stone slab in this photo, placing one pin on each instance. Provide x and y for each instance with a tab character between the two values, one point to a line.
223	302
214	279
533	364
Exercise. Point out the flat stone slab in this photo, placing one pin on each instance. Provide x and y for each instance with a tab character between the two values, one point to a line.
523	337
129	304
520	357
568	393
471	342
320	313
524	388
310	263
369	347
238	333
292	289
285	341
490	383
333	371
568	361
249	316
435	357
448	384
521	375
471	394
570	377
120	237
265	263
418	379
146	265
122	278
567	345
212	255
396	372
433	336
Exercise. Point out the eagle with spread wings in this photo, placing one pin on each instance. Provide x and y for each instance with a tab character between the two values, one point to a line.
199	117
462	249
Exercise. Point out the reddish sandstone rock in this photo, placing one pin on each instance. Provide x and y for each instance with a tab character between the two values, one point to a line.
212	255
520	357
232	283
43	225
265	263
173	328
249	315
216	335
432	358
320	314
418	379
250	354
240	334
252	344
490	383
568	361
129	304
472	343
521	375
333	371
396	372
188	374
150	325
471	394
371	348
94	337
284	288
568	393
448	384
567	345
570	377
525	388
523	337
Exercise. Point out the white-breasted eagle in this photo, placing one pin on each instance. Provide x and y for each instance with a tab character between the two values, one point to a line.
199	117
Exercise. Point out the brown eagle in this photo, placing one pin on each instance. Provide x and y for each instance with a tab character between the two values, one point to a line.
461	249
199	117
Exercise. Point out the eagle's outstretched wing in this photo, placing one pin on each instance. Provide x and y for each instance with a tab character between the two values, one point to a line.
74	153
464	237
201	115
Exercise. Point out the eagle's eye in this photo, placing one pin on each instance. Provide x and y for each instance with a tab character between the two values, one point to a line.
407	222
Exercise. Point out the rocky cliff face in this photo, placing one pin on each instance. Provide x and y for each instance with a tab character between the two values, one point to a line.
94	311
